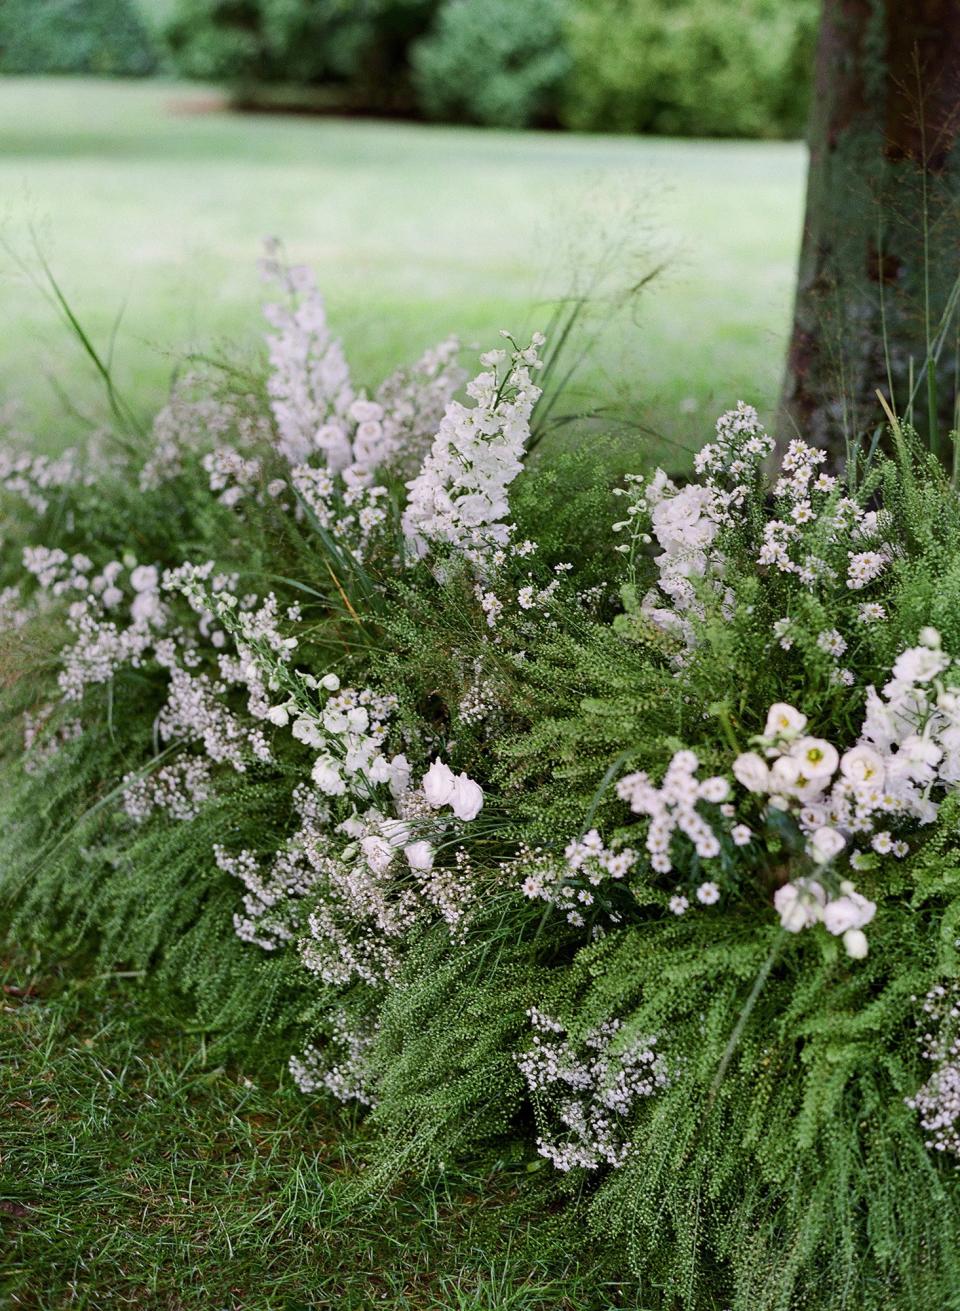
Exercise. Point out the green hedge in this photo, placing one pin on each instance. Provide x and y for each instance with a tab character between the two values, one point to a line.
684	67
690	67
74	36
500	62
358	47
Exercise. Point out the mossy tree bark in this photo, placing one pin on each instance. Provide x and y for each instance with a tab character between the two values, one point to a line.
881	236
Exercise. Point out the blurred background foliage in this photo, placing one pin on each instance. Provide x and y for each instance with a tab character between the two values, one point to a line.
733	68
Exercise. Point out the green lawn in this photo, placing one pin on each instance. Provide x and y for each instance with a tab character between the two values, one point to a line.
134	1172
151	200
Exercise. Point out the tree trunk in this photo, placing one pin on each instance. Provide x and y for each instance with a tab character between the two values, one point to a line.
881	236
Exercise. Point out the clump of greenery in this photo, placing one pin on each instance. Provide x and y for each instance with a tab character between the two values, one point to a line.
593	65
696	69
356	51
106	37
493	62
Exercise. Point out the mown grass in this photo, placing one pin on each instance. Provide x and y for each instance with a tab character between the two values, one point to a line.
135	1173
150	203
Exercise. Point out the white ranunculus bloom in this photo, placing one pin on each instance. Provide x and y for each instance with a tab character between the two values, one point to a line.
439	785
419	856
825	844
861	764
279	715
752	771
784	721
467	799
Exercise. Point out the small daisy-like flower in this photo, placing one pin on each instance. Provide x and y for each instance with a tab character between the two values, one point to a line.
882	843
708	894
831	642
901	849
741	835
678	904
871	612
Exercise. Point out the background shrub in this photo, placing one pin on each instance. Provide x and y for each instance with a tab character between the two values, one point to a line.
74	36
684	67
498	62
358	47
690	67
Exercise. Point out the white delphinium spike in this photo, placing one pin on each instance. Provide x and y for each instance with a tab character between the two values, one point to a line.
309	382
459	497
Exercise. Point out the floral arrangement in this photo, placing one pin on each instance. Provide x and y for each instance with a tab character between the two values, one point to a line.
612	826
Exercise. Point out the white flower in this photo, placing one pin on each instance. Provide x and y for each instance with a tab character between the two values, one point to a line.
799	904
816	757
851	911
861	764
708	894
752	771
307	731
145	606
467	800
377	852
824	844
684	522
145	578
439	785
784	721
741	835
714	789
919	664
419	856
855	944
331	682
399	775
326	775
279	715
929	637
678	904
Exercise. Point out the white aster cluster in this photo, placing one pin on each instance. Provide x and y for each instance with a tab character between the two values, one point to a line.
571	884
583	1092
459	498
812	522
351	513
673	808
34	478
908	749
